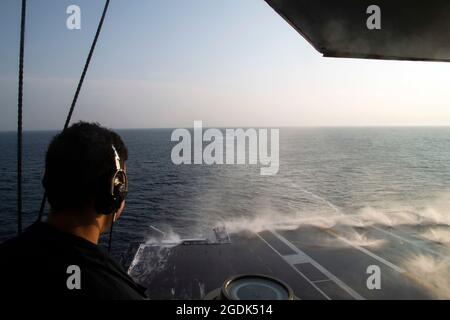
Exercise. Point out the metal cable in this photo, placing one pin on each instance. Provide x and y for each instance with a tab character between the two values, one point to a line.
19	119
111	231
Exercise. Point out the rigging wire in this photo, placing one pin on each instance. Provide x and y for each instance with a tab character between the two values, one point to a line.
111	231
19	118
77	92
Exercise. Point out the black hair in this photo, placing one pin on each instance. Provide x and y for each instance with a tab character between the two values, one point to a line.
79	165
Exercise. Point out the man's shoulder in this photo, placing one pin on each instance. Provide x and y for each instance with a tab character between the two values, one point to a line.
8	246
35	261
28	244
11	248
27	257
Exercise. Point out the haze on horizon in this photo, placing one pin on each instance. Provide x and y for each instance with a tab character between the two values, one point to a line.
229	63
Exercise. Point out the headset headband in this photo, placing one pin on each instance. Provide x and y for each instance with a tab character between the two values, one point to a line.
116	158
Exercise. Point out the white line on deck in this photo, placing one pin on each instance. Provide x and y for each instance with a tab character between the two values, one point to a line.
320	281
356	218
392	234
369	253
295	269
322	269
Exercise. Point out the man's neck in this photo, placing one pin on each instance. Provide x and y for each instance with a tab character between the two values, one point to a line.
76	223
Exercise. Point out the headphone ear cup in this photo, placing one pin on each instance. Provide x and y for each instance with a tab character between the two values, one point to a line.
120	189
110	203
117	202
112	192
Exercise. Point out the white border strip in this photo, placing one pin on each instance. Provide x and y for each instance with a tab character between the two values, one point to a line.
367	252
327	273
295	269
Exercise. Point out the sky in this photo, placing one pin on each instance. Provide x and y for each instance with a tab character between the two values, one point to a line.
229	63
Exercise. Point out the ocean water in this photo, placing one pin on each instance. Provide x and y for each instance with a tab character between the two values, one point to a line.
385	176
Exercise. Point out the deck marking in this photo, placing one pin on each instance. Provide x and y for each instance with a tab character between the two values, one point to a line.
321	268
355	217
367	252
323	280
296	258
294	268
392	234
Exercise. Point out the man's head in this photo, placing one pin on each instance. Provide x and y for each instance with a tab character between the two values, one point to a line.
79	170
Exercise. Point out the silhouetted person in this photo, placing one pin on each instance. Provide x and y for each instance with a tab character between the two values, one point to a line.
86	186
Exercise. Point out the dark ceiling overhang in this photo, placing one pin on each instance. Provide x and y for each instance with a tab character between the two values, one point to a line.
410	30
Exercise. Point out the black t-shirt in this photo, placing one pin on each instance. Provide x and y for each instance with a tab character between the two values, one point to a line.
44	263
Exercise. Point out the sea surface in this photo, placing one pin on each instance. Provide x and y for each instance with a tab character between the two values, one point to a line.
391	176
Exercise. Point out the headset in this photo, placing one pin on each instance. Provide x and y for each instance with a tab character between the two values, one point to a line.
118	189
117	193
110	197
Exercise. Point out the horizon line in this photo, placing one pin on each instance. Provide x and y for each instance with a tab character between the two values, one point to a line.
256	127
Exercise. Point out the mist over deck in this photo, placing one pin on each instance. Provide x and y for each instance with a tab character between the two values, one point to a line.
332	268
